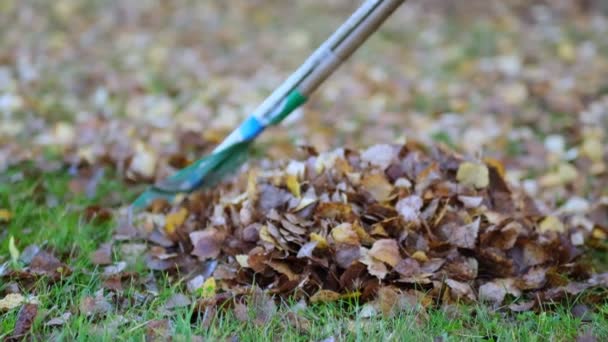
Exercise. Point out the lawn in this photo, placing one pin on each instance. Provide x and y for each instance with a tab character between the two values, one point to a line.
99	99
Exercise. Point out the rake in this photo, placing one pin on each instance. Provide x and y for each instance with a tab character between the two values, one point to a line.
233	150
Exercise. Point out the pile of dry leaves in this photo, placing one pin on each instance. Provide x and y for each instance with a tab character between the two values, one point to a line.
415	223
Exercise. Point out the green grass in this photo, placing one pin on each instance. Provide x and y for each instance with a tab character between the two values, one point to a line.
62	229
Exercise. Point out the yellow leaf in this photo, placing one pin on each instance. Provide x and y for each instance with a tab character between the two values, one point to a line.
252	180
364	237
324	296
344	233
420	256
321	241
12	249
473	174
351	295
551	224
592	148
266	237
566	51
378	186
5	215
291	181
564	174
495	163
209	288
599	234
175	220
11	301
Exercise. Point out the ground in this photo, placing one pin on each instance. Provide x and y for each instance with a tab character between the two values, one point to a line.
98	98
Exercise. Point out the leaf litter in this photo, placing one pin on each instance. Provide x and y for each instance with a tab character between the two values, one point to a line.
407	223
458	232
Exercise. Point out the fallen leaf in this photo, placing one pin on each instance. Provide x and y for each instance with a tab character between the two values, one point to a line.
380	156
243	260
551	224
344	233
158	330
11	301
307	249
492	292
378	186
324	296
473	174
460	289
321	241
564	174
175	219
291	181
177	300
465	236
103	255
409	207
5	215
25	320
207	243
387	251
59	321
209	288
93	306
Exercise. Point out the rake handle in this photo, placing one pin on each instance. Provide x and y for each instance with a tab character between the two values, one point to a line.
316	69
348	46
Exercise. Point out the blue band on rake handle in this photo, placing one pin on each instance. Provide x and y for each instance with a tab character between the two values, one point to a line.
250	128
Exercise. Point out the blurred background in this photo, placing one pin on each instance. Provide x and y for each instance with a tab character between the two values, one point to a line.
163	81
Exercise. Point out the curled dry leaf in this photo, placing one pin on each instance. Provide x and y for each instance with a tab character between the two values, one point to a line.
387	251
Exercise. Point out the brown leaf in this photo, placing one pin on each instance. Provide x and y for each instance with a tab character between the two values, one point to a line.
25	320
158	330
207	243
324	296
282	268
535	278
333	210
465	236
103	255
492	292
375	267
271	197
262	307
98	305
177	300
46	264
387	251
59	321
460	290
378	186
522	306
241	311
